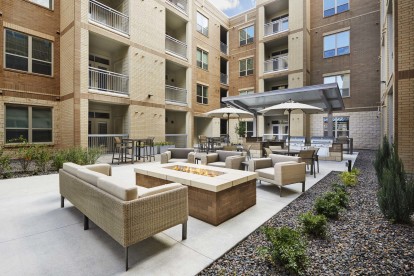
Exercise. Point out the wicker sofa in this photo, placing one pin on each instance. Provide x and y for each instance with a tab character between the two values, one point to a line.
128	213
279	169
173	155
224	159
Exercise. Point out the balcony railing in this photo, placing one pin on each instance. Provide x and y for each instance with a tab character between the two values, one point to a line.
175	46
108	17
224	79
203	30
278	63
179	140
175	94
104	141
180	4
108	81
277	26
223	48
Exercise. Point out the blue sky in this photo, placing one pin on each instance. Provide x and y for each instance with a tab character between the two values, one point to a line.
233	7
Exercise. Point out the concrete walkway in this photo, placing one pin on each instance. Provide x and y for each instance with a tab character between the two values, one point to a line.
37	237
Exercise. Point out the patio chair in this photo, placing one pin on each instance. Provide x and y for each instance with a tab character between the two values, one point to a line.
268	152
202	143
224	159
316	156
307	156
150	148
121	148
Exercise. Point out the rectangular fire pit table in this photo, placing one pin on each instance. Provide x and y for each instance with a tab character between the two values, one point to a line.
213	199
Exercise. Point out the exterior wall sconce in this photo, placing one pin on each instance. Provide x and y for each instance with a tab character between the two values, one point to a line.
150	95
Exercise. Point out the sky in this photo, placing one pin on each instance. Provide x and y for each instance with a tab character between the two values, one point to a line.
233	7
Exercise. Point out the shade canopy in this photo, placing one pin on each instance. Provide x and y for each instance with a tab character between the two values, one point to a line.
229	112
289	106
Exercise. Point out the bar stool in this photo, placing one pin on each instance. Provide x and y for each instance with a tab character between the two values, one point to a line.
122	148
150	148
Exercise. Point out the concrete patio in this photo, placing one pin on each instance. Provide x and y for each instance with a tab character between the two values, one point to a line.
38	237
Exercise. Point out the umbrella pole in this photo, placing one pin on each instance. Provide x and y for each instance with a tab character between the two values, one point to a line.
228	128
289	110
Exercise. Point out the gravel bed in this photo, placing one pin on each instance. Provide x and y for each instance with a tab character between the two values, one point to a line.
16	170
361	242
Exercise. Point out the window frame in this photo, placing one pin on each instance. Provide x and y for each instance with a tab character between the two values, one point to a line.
30	127
201	29
335	124
335	8
246	69
336	44
340	89
248	129
29	57
204	94
246	39
52	4
202	65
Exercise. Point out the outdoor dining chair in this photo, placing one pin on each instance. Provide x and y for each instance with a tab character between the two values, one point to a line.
308	156
121	148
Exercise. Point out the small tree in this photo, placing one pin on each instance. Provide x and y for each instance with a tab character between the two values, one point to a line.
381	158
41	157
241	129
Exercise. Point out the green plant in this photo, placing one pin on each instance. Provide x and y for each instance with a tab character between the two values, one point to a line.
93	155
381	158
349	178
4	163
41	157
25	155
315	225
341	194
76	155
287	246
58	158
241	129
329	205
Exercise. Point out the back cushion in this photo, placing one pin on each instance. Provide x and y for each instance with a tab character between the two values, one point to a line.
118	188
159	189
89	176
276	158
222	154
71	168
180	153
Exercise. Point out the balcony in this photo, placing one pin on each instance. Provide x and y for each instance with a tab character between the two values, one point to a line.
175	94
224	79
108	17
176	47
276	64
108	81
179	4
223	48
277	26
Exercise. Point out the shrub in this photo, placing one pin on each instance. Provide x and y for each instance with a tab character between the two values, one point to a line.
93	154
349	178
25	156
58	158
76	155
315	225
329	205
382	156
341	194
287	246
4	163
41	157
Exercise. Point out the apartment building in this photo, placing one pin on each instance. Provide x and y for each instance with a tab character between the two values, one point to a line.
397	77
87	69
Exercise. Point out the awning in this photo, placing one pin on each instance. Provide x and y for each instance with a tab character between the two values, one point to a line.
326	96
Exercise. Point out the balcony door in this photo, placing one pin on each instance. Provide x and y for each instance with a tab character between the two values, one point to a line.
278	62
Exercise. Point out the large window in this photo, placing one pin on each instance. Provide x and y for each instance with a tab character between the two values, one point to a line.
202	24
202	59
343	83
246	66
45	3
202	94
28	53
246	35
336	44
332	7
32	123
249	128
340	126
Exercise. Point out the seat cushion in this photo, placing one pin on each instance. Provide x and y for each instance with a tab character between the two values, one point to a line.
268	173
71	168
276	158
174	160
159	189
89	176
218	164
118	188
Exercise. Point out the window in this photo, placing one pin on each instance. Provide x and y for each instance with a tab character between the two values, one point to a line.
246	67
246	35
202	59
28	53
336	44
340	126
343	83
247	91
332	7
202	24
32	123
45	3
249	128
280	87
202	94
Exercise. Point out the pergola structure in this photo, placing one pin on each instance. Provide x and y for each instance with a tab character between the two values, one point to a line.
326	96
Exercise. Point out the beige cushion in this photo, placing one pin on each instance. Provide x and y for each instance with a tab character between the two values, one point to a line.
118	188
100	168
268	173
71	168
174	160
89	176
158	189
218	164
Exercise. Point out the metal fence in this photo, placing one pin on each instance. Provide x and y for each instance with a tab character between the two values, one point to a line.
277	26
104	141
179	140
276	64
175	94
108	17
175	46
108	81
223	48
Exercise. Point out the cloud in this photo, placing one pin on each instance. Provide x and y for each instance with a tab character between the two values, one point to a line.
226	4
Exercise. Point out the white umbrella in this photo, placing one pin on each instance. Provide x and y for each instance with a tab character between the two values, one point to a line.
227	113
289	106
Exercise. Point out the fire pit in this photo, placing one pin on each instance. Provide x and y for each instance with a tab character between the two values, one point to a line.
198	171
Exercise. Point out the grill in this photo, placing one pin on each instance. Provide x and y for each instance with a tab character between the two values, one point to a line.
323	143
297	142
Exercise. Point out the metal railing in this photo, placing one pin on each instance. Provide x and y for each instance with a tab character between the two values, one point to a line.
180	4
175	46
179	140
224	79
175	94
223	48
278	63
104	141
108	17
277	26
203	30
108	81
